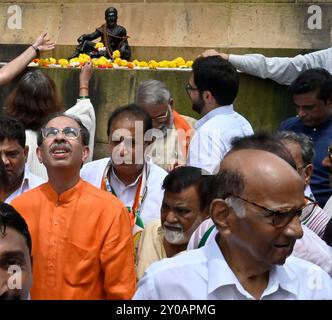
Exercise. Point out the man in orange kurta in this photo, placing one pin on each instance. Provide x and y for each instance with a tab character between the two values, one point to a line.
81	238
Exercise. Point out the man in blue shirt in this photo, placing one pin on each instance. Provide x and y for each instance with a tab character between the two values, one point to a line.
312	96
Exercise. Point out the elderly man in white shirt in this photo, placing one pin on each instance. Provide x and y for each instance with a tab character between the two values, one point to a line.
310	247
283	70
126	173
257	216
169	148
212	88
14	153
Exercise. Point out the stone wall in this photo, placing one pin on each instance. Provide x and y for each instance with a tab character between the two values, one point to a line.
188	24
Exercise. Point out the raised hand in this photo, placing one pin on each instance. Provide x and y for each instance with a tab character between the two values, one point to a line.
43	44
212	52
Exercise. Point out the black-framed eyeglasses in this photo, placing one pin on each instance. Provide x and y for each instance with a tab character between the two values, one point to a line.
68	132
329	153
279	218
189	88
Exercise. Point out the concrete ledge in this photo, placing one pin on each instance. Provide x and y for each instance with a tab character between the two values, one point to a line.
10	51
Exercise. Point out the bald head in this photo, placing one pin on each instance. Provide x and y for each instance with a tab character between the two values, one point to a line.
263	174
252	184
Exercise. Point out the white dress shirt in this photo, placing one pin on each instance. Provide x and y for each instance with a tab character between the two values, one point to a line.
93	172
213	136
310	247
282	70
124	192
29	182
203	274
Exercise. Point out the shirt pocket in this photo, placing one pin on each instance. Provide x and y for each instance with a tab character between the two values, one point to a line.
81	265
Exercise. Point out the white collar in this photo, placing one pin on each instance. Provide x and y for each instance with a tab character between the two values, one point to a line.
27	177
280	276
119	181
220	110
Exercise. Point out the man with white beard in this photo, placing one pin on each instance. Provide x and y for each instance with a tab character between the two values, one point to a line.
183	208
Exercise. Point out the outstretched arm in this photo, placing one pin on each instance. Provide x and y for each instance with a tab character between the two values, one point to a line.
280	69
85	76
16	66
89	36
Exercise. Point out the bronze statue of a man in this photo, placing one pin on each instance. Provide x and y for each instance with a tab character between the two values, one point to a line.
113	36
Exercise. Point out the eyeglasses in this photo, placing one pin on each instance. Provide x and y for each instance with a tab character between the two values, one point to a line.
278	218
300	170
189	88
162	117
329	153
308	209
68	132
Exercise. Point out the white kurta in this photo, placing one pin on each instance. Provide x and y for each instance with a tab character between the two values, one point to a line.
150	209
213	136
204	274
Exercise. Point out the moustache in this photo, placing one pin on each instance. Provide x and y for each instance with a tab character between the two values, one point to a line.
61	145
172	225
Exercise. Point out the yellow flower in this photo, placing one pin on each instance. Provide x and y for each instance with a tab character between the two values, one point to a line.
153	64
116	54
95	62
123	63
73	60
179	61
102	61
143	64
99	45
63	62
52	61
189	63
117	61
83	58
42	62
163	64
172	64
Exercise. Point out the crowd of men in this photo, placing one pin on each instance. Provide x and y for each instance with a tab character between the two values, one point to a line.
180	209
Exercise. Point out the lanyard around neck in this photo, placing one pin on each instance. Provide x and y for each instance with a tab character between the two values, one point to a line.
134	210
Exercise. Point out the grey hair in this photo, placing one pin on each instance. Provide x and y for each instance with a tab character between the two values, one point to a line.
152	92
237	205
305	142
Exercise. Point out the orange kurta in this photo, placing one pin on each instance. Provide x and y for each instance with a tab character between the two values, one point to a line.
81	243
